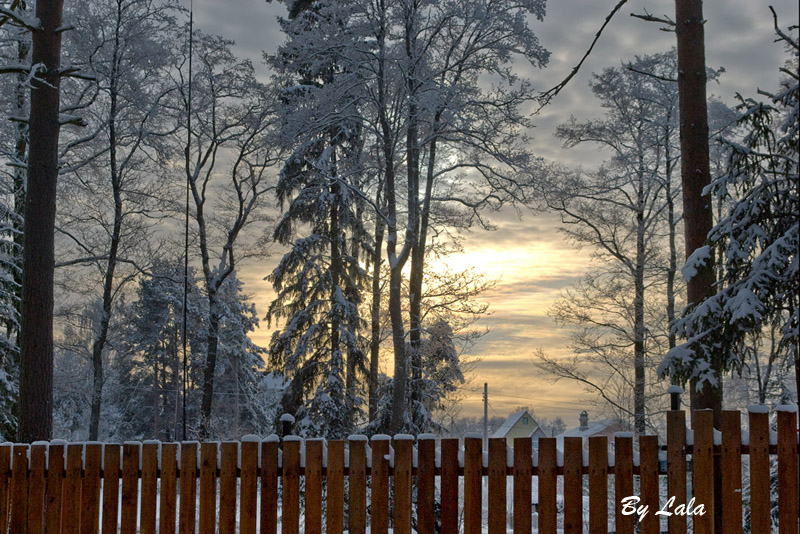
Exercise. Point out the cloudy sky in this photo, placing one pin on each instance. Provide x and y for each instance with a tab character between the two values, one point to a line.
528	257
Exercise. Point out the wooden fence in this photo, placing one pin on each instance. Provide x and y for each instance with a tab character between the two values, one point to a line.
424	484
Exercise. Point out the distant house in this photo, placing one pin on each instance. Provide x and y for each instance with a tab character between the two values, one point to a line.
586	429
520	425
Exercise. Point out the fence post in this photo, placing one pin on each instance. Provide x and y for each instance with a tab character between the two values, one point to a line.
623	480
546	510
287	420
290	518
269	485
357	516
314	452
573	485
497	486
188	488
449	485
648	482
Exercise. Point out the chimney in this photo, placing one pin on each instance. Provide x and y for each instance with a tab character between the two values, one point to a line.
584	418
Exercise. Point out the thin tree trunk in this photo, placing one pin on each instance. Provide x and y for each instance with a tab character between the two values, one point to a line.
116	233
375	315
212	343
36	340
638	305
695	172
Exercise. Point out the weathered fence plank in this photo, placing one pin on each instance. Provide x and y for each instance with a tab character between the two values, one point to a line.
208	488
759	472
787	470
357	505
648	481
19	489
248	508
188	488
90	489
497	486
598	485
731	459
169	486
403	456
71	518
623	481
676	467
426	484
149	488
314	450
449	485
547	486
379	506
473	464
334	519
55	487
573	485
36	486
523	471
703	477
269	487
290	518
229	460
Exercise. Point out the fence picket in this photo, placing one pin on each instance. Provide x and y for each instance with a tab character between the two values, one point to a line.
573	485
5	479
169	484
188	488
547	486
449	485
703	476
149	488
248	508
497	486
227	487
19	489
379	507
208	488
314	486
357	502
523	471
623	481
598	484
473	482
269	487
426	485
787	471
71	518
130	486
90	489
36	487
290	518
55	487
403	456
759	472
731	459
648	481
676	467
335	486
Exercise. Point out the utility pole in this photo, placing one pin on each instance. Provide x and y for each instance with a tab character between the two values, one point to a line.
485	415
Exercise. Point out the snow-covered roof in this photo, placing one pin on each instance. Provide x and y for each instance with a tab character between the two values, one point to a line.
512	420
591	429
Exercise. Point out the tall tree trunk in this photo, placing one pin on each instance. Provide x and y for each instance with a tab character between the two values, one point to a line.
695	172
116	233
36	340
212	344
375	314
638	305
